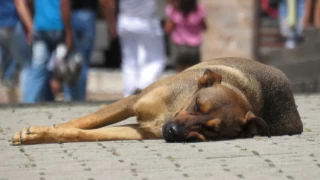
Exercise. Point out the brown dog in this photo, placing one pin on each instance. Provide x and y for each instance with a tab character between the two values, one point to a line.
220	99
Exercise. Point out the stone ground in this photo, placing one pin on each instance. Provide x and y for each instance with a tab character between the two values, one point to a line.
286	157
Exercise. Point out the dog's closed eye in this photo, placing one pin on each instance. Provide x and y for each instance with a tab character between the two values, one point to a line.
197	105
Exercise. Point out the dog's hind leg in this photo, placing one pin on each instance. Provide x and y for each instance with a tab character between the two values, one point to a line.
109	114
38	135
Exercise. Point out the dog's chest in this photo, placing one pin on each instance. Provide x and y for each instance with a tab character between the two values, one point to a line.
152	105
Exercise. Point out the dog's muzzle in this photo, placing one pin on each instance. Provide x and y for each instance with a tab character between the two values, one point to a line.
173	132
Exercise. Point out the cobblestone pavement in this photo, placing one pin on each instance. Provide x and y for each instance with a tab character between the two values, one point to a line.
285	157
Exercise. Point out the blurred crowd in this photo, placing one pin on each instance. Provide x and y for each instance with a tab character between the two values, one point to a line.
46	45
293	16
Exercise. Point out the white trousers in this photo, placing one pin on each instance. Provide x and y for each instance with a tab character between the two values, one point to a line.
143	55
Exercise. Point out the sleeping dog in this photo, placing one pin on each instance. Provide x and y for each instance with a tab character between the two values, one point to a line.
221	99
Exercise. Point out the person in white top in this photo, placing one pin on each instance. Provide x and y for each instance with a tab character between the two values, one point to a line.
142	44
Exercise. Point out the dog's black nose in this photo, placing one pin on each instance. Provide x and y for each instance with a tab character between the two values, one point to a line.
173	132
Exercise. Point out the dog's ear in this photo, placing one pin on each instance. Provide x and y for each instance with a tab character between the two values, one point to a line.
253	125
209	78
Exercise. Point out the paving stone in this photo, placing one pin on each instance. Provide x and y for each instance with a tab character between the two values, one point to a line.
285	157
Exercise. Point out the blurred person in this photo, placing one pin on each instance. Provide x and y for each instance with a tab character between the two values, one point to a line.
8	21
185	23
315	19
311	22
21	52
291	19
8	68
50	26
309	13
270	7
142	43
14	50
312	13
83	19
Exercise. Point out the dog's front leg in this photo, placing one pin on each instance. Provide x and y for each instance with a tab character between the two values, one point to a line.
38	135
109	114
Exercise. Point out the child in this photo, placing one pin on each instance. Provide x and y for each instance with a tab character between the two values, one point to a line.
185	23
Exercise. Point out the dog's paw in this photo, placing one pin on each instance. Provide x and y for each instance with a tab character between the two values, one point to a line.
28	135
17	138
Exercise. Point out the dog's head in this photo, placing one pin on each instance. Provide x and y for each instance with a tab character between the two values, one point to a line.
215	112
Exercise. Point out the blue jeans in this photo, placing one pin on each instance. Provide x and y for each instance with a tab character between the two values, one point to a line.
84	27
21	52
291	33
7	64
17	51
44	43
10	70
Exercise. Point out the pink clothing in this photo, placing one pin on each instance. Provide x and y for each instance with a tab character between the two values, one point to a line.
186	31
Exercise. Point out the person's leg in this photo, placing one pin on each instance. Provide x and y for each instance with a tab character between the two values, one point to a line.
24	85
48	94
282	8
10	72
21	52
300	18
1	63
129	66
154	63
4	51
83	23
8	67
39	74
188	56
286	31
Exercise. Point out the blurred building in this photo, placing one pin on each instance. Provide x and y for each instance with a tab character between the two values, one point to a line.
230	28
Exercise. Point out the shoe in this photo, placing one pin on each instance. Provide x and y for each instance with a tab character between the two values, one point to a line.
290	44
